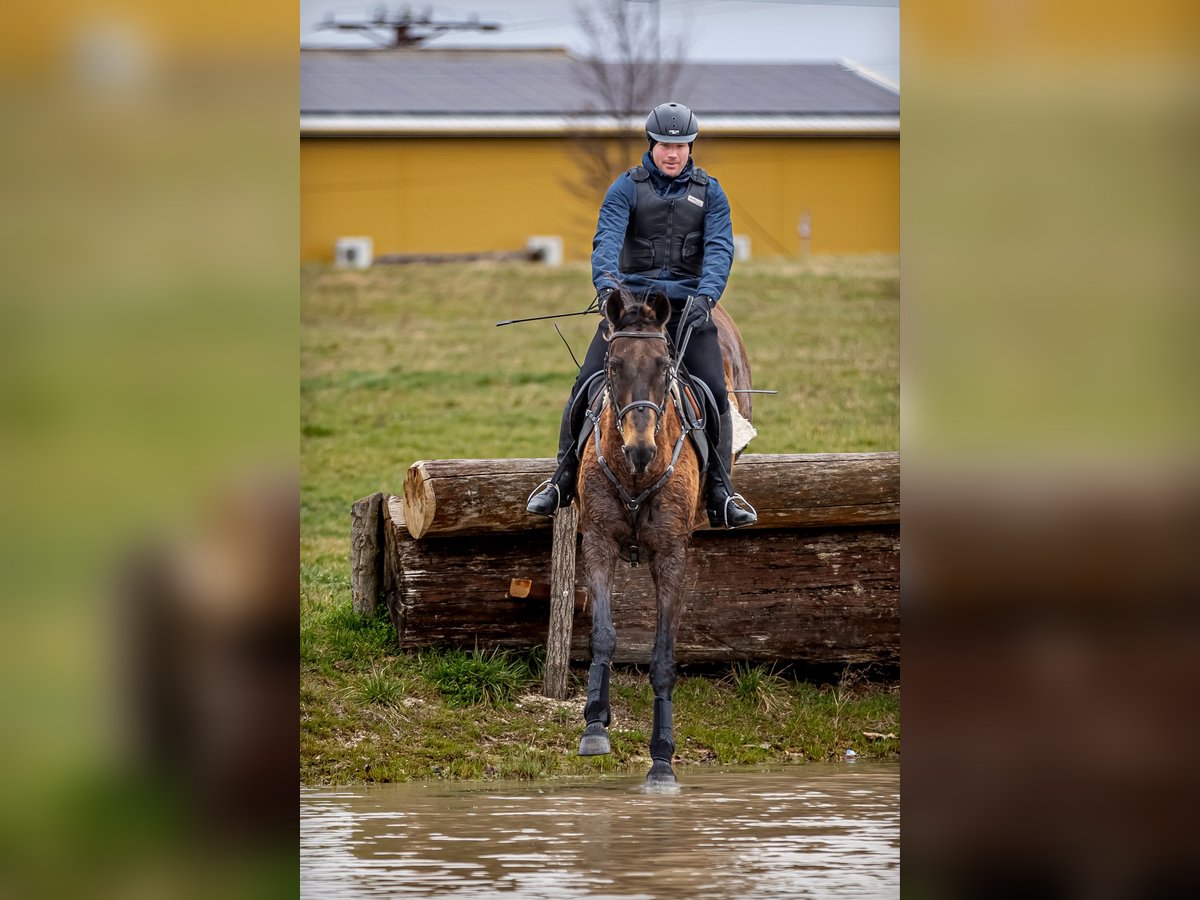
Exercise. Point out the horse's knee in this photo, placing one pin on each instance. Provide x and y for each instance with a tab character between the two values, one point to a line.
662	677
604	641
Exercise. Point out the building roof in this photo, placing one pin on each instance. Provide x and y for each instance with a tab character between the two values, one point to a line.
443	89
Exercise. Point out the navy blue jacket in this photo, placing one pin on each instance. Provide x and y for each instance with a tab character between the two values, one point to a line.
620	204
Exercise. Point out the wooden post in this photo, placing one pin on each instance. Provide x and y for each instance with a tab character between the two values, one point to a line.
366	556
562	603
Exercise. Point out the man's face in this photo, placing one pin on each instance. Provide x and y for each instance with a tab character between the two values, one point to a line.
670	158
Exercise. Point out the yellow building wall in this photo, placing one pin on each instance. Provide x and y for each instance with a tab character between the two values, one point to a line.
460	195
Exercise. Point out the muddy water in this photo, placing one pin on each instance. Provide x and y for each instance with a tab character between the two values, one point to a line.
809	831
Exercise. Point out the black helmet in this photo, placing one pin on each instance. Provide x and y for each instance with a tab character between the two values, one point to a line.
671	123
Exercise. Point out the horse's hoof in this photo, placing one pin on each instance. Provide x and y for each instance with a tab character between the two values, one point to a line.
661	773
594	741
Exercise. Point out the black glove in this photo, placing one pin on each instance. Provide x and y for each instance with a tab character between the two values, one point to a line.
698	312
602	299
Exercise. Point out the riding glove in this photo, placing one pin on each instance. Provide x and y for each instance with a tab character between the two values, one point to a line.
601	300
699	311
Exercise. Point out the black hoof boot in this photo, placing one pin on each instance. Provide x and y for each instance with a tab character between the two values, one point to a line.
661	772
595	741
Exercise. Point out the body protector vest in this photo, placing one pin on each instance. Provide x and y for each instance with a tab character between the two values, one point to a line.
666	233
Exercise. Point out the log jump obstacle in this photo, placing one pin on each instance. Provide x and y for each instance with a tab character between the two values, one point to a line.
458	562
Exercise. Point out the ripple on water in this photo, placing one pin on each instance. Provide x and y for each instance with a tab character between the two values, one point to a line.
811	831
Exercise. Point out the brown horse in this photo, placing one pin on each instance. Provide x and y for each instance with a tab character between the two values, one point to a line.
641	494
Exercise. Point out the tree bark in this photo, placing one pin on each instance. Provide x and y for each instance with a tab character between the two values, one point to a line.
366	553
562	603
481	496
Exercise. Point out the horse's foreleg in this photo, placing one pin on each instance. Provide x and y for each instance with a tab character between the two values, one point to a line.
667	569
600	559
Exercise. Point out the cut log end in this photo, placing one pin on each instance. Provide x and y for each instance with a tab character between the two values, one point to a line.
520	588
420	504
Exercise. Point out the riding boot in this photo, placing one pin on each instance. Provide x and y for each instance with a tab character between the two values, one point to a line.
550	496
722	504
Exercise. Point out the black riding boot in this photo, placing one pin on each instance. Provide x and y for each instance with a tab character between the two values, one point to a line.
559	491
722	505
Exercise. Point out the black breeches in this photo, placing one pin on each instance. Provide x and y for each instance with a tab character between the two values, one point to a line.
702	358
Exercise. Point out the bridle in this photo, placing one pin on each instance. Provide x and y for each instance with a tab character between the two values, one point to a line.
660	410
633	504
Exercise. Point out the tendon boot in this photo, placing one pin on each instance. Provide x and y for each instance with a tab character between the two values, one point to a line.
550	496
662	743
722	504
596	714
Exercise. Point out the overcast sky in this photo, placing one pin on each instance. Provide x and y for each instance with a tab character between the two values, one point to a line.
866	32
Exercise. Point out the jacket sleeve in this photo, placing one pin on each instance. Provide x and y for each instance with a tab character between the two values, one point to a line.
610	232
718	243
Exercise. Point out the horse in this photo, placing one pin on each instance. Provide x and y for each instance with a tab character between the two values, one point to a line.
641	492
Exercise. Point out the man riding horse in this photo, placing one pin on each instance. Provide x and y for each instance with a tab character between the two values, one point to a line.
664	226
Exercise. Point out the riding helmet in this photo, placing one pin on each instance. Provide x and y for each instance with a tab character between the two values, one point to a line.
671	123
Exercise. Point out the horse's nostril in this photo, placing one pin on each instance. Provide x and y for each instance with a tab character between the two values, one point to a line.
639	457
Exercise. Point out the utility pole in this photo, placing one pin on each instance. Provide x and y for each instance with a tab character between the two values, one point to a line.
404	29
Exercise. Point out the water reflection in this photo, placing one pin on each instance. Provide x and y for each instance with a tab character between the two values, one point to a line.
810	831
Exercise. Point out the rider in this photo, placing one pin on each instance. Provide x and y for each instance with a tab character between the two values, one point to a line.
664	226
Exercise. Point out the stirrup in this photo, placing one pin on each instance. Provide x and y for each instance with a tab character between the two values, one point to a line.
541	487
742	502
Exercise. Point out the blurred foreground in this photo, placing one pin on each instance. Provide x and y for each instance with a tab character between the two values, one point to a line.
148	339
1050	444
147	406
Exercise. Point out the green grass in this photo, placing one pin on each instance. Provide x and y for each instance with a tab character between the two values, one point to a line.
470	678
758	686
404	363
378	687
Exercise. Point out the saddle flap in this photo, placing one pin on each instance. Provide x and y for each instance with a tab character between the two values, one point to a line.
699	407
592	396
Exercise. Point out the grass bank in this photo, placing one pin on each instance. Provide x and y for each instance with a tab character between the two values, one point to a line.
404	363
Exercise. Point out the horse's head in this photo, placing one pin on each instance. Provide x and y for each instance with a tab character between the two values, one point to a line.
638	372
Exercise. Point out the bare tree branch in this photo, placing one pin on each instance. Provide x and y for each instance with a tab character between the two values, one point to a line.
625	74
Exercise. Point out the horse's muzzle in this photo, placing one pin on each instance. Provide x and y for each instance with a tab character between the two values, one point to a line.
639	456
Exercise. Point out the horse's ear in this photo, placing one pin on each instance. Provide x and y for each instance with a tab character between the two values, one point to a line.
662	309
614	308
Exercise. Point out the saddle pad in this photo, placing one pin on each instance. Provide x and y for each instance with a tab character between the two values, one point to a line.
743	431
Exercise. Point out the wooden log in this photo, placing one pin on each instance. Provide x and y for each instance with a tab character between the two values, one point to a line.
482	496
824	595
473	496
366	553
562	603
805	490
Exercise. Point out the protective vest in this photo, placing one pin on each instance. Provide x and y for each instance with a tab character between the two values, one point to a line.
663	232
